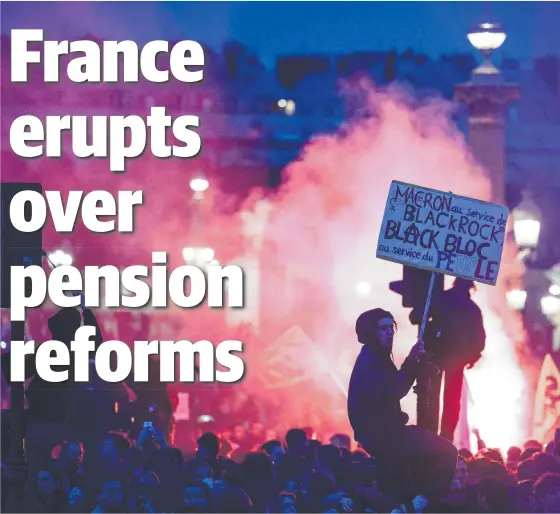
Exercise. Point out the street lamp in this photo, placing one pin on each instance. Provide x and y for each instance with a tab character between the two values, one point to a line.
198	256
487	96
363	288
527	222
486	37
60	258
554	290
199	185
550	305
288	106
516	299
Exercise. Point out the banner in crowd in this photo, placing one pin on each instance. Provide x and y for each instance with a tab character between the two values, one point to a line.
547	401
443	232
283	362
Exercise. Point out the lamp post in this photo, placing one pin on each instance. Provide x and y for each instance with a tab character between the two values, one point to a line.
486	37
550	306
527	223
363	288
60	258
486	97
516	299
199	255
199	186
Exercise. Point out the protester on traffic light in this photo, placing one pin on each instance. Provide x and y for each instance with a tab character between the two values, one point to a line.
376	388
455	338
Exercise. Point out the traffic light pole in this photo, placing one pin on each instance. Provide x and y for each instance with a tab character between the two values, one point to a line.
427	307
418	287
424	383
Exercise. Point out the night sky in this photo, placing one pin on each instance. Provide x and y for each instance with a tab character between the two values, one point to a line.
274	28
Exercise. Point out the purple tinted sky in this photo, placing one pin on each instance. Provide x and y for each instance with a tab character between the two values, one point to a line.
274	28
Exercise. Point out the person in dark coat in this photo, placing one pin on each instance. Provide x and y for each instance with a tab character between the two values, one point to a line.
379	424
48	403
456	338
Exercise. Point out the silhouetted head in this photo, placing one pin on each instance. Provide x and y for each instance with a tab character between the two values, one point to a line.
463	285
546	491
64	324
196	497
514	454
208	447
296	441
149	483
273	450
376	327
233	499
341	441
283	502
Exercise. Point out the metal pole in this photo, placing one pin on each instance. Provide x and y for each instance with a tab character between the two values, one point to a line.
427	307
424	404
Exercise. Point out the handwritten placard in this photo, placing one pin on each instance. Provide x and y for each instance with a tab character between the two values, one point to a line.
443	232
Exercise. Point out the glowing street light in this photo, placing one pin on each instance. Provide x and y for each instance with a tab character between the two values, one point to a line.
60	258
189	254
554	290
516	299
486	37
363	288
527	222
199	185
550	305
206	254
289	106
199	256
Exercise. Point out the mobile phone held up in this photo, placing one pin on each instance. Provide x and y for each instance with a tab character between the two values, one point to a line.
148	424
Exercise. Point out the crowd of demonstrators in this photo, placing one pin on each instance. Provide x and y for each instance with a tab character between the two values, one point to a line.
239	471
77	464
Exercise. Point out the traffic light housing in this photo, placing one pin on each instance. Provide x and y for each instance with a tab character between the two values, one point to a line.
414	287
17	248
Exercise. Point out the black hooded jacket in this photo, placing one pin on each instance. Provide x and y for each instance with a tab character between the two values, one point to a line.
376	388
455	335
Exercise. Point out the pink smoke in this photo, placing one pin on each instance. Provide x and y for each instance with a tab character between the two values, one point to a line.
325	223
316	245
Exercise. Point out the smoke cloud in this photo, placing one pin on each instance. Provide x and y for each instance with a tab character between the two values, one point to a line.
325	222
309	251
